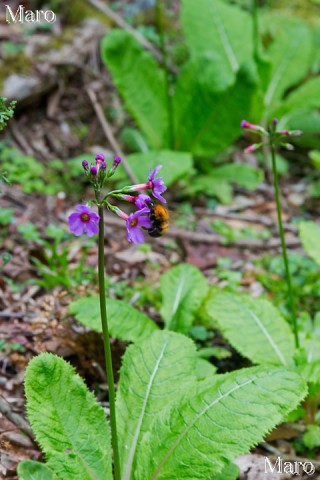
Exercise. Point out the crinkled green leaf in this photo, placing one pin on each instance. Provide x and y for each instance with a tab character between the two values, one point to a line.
154	373
309	233
125	322
310	371
231	413
30	470
183	289
176	165
69	424
289	53
207	120
265	336
204	369
230	472
141	82
219	28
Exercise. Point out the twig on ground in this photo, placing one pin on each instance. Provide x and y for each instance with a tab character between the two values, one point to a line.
15	418
109	134
214	239
264	220
138	36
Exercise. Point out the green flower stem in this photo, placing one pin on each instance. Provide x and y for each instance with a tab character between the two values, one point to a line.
107	348
283	244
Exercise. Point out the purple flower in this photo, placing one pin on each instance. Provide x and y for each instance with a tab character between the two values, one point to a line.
156	184
134	222
85	164
142	201
84	220
93	171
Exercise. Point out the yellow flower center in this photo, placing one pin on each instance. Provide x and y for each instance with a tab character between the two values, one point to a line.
133	222
85	217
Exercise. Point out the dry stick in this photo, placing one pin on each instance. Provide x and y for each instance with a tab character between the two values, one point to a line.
108	133
137	35
268	222
214	239
15	418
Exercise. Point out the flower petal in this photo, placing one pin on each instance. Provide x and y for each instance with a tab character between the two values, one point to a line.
91	228
153	173
144	222
136	235
76	226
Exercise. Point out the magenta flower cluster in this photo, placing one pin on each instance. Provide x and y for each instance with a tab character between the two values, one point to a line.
86	221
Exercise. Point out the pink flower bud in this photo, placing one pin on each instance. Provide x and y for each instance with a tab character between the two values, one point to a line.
252	147
116	162
252	126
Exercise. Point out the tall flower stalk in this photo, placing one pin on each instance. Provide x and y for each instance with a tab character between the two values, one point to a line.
278	138
107	348
85	221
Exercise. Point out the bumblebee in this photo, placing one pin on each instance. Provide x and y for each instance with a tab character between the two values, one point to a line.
159	217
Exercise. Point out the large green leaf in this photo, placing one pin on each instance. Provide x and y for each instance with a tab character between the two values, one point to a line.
231	413
30	470
289	53
220	179
125	322
207	120
154	373
176	165
306	120
253	326
69	424
220	30
141	83
305	97
183	289
309	233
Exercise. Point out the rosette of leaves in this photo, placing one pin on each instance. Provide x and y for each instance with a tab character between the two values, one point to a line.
169	424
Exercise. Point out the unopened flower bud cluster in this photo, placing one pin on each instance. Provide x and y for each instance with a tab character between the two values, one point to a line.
278	137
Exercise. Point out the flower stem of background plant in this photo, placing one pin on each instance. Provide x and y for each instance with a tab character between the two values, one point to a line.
107	348
283	244
159	21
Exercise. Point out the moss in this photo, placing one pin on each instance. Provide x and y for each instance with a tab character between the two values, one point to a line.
75	13
19	64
